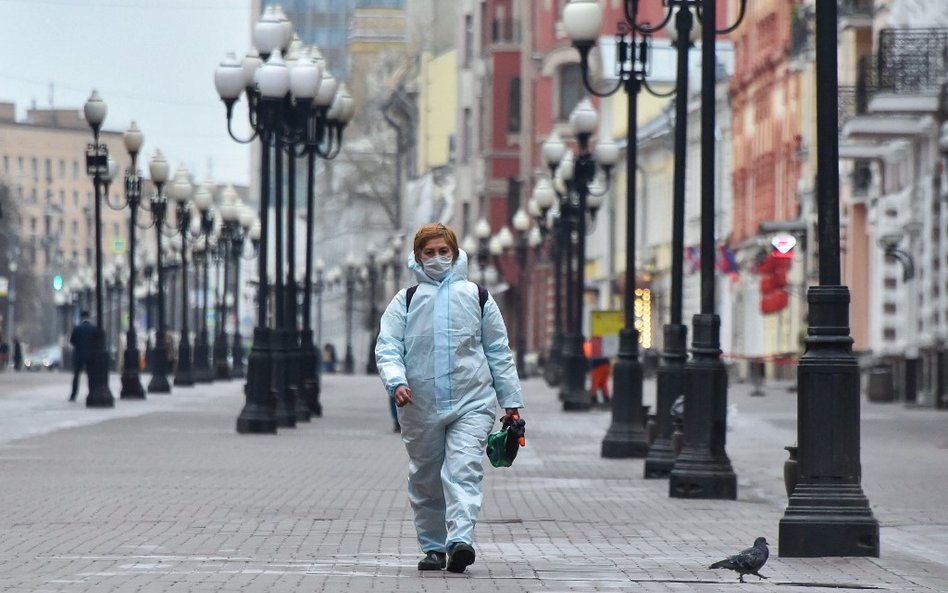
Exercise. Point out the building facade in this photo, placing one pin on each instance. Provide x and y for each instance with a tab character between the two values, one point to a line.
42	163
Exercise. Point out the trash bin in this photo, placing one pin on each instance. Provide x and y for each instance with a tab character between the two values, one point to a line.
880	386
757	370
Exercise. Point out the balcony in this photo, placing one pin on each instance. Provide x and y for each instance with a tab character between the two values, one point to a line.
910	61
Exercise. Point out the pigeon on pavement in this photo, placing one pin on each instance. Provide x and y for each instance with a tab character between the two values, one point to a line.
750	561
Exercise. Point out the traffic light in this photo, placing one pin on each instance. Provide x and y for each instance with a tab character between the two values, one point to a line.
57	282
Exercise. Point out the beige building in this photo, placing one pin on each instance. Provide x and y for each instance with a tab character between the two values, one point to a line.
42	161
49	223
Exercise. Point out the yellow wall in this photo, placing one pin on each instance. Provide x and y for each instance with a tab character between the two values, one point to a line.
437	106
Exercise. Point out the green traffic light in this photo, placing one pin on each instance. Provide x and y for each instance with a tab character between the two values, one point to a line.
57	282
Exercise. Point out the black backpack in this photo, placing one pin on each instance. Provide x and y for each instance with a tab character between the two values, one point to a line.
482	295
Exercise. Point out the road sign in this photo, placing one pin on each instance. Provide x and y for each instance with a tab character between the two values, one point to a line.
4	286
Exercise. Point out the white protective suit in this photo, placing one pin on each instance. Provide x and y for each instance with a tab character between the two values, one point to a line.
458	365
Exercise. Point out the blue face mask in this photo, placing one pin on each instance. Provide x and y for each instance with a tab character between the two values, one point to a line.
437	267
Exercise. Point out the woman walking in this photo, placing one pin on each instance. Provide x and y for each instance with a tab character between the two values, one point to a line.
443	354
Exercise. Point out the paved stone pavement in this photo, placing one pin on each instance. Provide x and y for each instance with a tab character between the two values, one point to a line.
164	496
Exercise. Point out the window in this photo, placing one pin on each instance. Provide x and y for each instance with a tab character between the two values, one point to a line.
468	40
6	164
467	145
33	225
513	198
466	219
513	106
571	89
62	199
62	168
19	161
34	168
88	256
75	169
75	198
48	169
33	195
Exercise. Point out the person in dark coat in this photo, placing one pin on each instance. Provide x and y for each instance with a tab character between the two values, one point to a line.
83	342
17	354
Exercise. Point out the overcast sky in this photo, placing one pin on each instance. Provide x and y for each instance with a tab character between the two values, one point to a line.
151	60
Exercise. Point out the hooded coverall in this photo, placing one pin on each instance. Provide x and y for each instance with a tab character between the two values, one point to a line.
457	362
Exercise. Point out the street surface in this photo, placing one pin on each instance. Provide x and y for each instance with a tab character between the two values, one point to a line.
163	496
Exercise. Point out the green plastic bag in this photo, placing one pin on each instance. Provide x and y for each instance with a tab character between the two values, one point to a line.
503	445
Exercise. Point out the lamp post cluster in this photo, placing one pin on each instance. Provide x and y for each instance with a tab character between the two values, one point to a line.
296	110
703	469
173	239
828	513
580	195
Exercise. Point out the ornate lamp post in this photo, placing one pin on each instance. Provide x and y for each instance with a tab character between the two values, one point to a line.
203	373
554	151
97	166
287	108
521	223
230	248
372	274
351	273
131	380
581	196
249	228
158	168
828	513
181	191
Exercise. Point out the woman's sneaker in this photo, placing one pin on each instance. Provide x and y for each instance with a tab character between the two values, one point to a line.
460	557
432	561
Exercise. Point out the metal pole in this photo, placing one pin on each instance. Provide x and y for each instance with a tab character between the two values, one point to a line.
131	379
286	405
257	415
237	347
159	380
310	355
202	347
293	353
626	435
828	513
703	469
575	365
100	396
184	375
670	381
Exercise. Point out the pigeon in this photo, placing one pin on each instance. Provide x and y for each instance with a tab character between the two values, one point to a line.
750	561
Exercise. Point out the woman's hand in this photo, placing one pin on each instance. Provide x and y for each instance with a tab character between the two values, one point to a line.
510	412
402	396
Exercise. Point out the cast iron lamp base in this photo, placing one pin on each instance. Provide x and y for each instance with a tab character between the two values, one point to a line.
703	470
626	435
257	416
670	384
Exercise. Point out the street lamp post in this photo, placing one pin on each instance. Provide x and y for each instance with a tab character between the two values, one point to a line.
581	198
626	436
374	317
203	373
521	223
702	469
97	166
131	381
553	152
828	514
289	108
159	168
182	190
351	277
249	228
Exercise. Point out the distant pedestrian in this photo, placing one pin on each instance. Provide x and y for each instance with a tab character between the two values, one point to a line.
4	354
329	358
17	354
83	340
443	354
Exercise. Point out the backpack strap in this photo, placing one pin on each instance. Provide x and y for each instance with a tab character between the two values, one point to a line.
482	295
408	295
